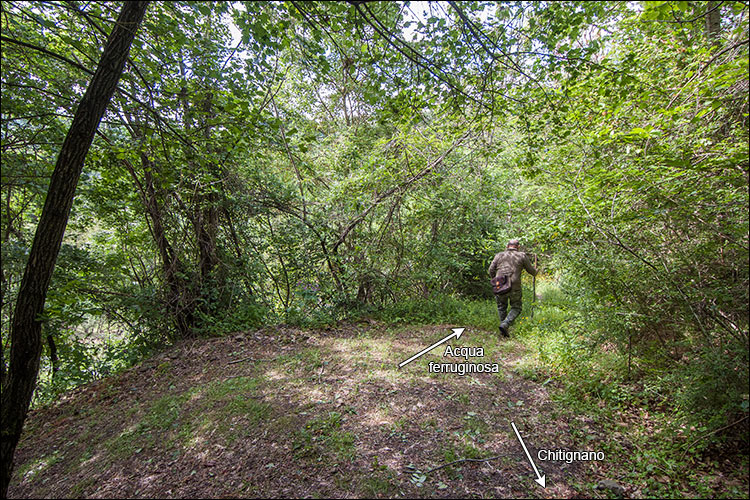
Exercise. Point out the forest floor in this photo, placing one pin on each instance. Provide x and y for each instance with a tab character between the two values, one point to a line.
286	412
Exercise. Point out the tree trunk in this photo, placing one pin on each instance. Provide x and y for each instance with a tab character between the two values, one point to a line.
180	302
25	332
713	22
53	355
2	364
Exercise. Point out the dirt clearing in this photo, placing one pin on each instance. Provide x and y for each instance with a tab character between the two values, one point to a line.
284	412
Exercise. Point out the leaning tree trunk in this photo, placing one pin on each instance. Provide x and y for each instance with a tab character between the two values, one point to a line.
25	333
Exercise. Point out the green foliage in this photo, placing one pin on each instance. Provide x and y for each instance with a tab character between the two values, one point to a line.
380	485
443	309
163	417
713	387
653	227
690	401
242	315
81	362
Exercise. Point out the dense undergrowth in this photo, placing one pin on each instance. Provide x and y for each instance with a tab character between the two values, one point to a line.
683	412
679	413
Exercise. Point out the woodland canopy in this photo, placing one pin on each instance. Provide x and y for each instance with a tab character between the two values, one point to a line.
304	163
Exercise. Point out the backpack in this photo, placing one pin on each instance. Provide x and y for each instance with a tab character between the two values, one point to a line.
500	284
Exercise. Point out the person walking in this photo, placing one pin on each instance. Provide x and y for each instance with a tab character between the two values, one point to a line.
507	266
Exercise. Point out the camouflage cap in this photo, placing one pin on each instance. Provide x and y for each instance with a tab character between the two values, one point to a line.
514	243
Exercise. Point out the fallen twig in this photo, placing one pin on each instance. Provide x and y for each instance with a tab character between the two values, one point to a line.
248	359
464	460
712	432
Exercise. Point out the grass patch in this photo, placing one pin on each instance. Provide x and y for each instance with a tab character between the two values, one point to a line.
228	407
230	389
442	309
322	437
305	360
430	423
177	421
165	412
474	424
30	470
470	451
163	369
86	456
450	454
378	485
78	490
163	415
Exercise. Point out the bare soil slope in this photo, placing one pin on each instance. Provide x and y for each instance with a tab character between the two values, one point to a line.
284	412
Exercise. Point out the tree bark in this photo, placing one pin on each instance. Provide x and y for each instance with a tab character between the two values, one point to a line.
25	332
207	219
713	22
180	303
53	355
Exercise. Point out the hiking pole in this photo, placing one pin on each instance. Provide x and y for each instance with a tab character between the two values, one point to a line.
533	288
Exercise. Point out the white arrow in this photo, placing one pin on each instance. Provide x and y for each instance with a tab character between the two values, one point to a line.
456	333
542	480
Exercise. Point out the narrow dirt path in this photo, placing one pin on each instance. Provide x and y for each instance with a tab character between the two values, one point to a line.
292	413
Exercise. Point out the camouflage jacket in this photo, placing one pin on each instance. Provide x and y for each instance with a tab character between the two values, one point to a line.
511	262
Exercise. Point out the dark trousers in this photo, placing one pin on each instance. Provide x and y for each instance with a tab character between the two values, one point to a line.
515	299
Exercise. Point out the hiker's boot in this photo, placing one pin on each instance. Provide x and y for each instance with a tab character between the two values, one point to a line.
504	330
